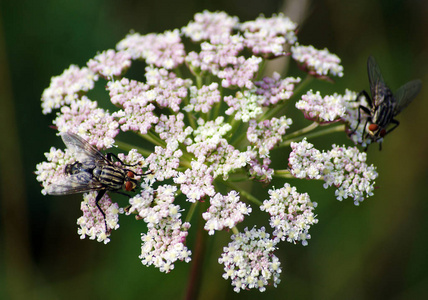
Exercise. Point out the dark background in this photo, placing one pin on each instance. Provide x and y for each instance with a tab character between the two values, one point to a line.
375	251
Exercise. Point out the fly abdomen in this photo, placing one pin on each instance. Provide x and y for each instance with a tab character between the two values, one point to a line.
111	177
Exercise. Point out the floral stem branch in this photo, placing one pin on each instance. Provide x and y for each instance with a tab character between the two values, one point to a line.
238	178
283	174
199	81
235	230
300	132
216	111
185	163
244	193
152	139
191	211
303	84
195	277
190	117
314	134
128	147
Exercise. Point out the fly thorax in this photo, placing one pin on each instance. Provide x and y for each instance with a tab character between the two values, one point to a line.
111	177
384	114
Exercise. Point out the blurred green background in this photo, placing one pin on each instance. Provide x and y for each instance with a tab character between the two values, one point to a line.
375	251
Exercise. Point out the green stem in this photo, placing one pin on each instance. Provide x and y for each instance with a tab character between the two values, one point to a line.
238	142
189	115
198	81
178	72
217	107
191	211
216	110
152	139
235	140
192	121
260	72
244	193
322	132
283	174
303	84
231	118
237	178
128	147
186	162
300	132
196	267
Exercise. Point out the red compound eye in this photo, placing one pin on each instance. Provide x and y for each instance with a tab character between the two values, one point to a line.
130	174
382	132
129	186
373	127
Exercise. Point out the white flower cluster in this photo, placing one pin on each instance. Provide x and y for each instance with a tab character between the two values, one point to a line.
208	120
321	110
345	168
245	106
163	244
209	24
320	62
65	87
110	63
291	214
225	212
265	135
92	223
204	98
269	35
275	89
52	170
163	50
249	260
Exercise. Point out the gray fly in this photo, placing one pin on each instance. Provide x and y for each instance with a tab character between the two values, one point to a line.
93	171
383	105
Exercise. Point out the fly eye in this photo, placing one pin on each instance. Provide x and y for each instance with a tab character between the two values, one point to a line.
382	133
129	186
130	174
373	127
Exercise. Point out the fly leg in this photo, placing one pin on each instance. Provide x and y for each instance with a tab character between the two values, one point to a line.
365	109
97	199
110	155
396	123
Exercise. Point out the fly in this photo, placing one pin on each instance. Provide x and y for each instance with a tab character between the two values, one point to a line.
383	105
93	171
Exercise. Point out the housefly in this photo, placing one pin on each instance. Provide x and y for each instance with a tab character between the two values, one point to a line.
92	171
383	105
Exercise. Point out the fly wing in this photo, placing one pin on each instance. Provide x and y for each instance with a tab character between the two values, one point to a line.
405	94
375	76
81	149
72	184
